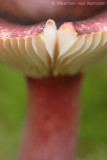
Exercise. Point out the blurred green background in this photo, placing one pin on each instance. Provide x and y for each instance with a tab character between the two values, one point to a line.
93	125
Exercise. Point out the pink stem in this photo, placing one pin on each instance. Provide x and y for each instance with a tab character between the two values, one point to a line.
52	120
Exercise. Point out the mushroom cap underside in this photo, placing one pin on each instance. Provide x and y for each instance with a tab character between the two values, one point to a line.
43	50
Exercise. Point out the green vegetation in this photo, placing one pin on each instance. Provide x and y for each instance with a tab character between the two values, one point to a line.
93	125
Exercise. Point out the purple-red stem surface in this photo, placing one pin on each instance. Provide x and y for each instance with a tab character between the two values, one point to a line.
52	119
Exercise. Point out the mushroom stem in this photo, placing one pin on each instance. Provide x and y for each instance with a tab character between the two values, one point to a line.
52	119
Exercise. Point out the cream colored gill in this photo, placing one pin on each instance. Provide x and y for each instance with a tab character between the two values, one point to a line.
54	52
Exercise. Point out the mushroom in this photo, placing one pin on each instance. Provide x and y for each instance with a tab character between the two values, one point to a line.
53	61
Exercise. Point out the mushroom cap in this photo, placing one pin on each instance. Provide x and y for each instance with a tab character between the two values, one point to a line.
42	50
28	10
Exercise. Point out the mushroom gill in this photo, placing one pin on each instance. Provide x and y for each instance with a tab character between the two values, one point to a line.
42	50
